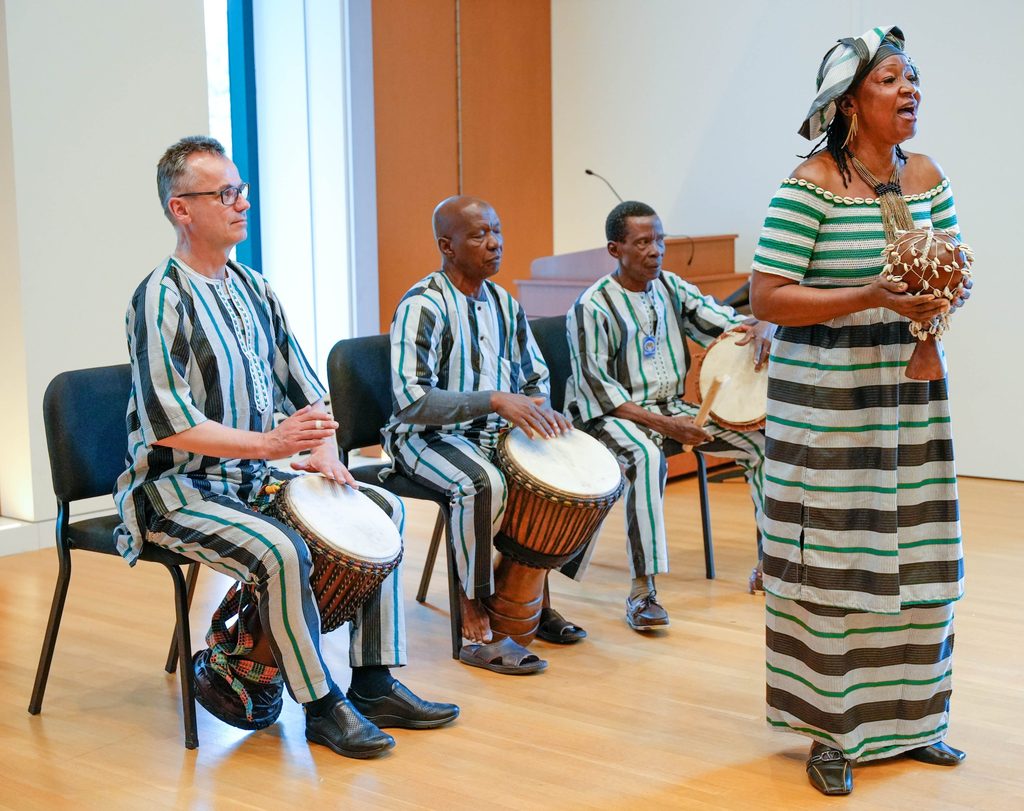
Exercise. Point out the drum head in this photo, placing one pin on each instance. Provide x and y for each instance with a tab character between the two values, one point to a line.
743	399
575	462
342	517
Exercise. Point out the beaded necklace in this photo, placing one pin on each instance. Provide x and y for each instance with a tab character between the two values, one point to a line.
895	212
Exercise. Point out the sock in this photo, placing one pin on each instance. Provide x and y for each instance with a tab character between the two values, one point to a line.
320	706
372	681
641	586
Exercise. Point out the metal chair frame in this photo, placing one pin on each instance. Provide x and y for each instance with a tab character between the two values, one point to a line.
86	437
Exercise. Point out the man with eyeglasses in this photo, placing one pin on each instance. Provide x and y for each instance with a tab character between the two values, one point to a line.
213	359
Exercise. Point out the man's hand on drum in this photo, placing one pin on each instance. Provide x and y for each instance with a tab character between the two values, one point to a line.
324	460
893	296
683	430
304	430
532	414
760	334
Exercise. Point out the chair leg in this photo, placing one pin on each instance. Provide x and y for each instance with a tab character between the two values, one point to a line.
428	564
60	593
705	517
183	637
172	653
454	605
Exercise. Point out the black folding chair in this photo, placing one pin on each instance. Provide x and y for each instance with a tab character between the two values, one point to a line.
359	377
84	417
554	346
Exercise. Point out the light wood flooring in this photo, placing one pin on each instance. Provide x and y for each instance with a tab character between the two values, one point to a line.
620	721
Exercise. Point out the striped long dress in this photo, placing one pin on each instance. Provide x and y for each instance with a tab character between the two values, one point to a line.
862	547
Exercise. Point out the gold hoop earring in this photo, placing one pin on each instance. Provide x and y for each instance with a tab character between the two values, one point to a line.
851	131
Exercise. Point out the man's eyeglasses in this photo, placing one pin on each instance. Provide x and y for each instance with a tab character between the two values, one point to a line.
228	196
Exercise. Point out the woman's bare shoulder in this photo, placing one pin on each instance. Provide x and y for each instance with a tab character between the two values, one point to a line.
921	173
819	169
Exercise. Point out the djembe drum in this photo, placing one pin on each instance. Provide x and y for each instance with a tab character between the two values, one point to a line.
741	402
559	492
354	546
928	261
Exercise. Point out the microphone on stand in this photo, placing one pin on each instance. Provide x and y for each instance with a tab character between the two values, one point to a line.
687	237
693	245
609	185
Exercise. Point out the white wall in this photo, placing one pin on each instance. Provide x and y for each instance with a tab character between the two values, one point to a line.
91	93
693	107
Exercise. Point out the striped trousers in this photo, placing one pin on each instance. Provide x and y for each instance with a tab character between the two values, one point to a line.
871	685
233	539
464	469
642	454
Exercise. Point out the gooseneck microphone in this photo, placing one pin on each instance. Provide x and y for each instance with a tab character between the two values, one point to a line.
609	185
693	246
687	237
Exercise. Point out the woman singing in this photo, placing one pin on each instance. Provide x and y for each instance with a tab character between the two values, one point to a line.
862	548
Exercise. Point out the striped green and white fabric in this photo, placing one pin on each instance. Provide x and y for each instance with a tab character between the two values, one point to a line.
442	339
837	71
861	510
606	329
870	686
202	349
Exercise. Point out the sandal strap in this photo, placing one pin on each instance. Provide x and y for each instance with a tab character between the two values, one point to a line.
511	653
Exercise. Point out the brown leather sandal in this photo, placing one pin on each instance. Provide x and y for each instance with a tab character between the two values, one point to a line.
506	657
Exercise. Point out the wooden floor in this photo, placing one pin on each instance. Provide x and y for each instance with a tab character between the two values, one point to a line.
618	721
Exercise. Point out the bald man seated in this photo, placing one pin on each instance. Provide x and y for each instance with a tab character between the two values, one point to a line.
465	367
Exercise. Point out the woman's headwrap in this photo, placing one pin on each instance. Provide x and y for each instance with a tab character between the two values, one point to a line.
842	67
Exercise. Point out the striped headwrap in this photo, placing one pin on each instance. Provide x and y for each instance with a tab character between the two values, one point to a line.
841	68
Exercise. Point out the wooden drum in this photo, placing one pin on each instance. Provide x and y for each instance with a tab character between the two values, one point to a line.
354	544
742	400
559	492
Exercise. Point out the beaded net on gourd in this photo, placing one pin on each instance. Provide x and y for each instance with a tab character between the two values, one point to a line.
928	261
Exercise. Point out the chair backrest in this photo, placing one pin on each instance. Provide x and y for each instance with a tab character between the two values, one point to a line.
86	433
359	377
554	346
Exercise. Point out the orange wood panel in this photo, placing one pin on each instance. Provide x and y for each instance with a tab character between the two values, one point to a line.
414	114
506	123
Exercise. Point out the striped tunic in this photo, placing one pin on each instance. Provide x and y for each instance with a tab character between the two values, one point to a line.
606	330
202	349
610	323
862	548
441	338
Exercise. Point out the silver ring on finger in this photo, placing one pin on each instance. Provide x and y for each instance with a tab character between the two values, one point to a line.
319	425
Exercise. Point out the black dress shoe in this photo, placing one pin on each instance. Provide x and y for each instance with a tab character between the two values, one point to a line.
344	729
401	707
938	754
829	771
